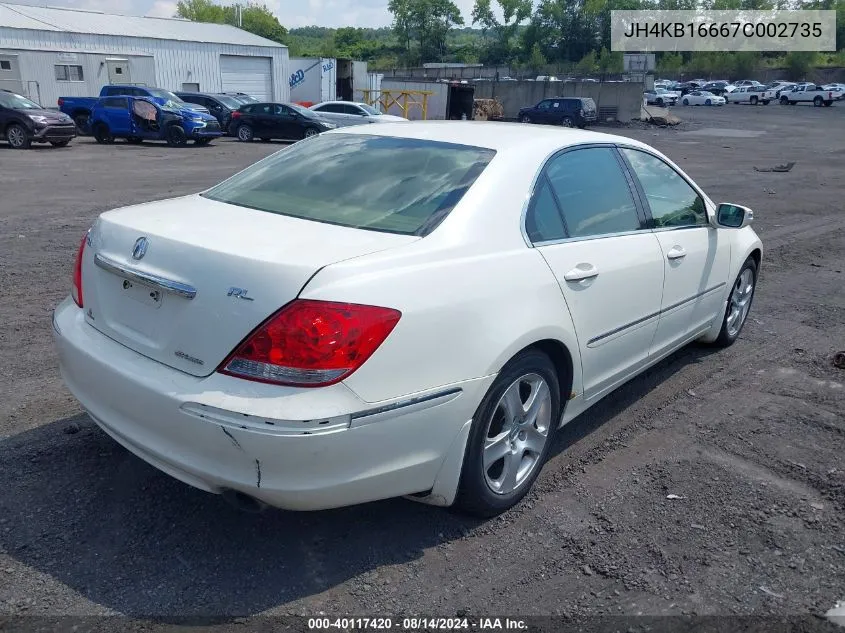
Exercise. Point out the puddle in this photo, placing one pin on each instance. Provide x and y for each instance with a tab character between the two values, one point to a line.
723	131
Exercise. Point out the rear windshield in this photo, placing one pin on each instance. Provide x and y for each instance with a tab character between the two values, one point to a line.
379	183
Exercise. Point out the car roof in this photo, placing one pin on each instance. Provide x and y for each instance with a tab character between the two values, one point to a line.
339	102
493	135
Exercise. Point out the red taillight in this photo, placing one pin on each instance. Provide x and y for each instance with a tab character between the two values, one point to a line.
311	343
236	114
61	102
76	290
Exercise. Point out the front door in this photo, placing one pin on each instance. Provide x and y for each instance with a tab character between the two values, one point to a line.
288	123
585	222
696	256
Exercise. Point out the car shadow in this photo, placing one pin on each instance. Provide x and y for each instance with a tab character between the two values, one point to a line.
76	506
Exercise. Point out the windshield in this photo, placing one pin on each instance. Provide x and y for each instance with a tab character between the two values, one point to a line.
229	102
704	93
166	95
379	183
369	109
17	102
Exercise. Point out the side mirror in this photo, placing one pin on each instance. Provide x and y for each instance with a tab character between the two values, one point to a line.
733	216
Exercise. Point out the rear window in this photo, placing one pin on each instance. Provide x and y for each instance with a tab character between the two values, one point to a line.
378	183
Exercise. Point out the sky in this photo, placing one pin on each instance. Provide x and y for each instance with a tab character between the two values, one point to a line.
291	13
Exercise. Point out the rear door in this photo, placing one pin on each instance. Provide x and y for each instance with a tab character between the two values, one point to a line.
585	220
696	256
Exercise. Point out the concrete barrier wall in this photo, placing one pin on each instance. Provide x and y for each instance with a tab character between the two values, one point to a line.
625	97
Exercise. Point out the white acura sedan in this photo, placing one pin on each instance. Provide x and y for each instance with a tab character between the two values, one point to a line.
396	310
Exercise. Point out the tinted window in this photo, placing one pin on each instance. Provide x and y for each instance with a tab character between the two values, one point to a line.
352	109
543	221
672	200
593	192
378	183
331	107
116	102
544	105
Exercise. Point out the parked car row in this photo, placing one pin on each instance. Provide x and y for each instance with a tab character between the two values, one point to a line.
749	91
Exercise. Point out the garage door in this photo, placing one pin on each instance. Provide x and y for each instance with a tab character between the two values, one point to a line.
252	75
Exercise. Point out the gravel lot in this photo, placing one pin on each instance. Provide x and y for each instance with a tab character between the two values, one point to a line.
752	438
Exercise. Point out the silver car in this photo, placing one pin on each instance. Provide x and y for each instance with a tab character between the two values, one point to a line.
352	113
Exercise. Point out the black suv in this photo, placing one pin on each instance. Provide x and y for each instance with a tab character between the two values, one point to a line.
23	122
220	106
565	111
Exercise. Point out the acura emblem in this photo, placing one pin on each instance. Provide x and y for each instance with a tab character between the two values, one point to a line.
140	248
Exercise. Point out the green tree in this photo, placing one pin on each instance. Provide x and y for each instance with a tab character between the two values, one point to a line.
514	12
536	60
798	63
200	11
255	18
428	22
670	64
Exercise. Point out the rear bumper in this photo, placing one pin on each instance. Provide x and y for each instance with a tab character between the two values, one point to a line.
300	449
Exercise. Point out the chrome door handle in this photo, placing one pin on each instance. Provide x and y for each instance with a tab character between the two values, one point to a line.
676	252
582	272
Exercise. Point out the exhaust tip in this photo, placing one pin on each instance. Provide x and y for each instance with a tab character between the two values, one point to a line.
243	501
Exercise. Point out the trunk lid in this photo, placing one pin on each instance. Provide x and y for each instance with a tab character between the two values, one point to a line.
240	265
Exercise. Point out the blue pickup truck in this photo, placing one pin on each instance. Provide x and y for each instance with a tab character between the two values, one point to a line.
140	118
79	108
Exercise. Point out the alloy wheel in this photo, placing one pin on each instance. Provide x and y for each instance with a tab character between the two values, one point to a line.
740	301
16	136
516	434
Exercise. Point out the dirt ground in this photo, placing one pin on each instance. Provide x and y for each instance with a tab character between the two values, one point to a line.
752	438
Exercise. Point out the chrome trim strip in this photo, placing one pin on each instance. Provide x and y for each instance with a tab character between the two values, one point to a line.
693	298
586	238
168	285
653	314
407	403
622	327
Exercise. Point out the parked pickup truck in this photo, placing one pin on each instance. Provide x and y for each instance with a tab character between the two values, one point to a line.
747	94
807	93
79	108
140	118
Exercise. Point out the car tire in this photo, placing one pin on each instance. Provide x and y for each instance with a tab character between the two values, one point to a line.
134	140
818	102
660	102
102	134
175	136
244	133
525	119
566	121
685	102
491	484
707	102
81	122
311	131
739	304
18	136
754	100
765	102
63	143
827	104
784	101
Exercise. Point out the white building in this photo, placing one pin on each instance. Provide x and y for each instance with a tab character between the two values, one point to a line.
46	53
